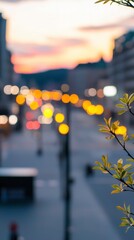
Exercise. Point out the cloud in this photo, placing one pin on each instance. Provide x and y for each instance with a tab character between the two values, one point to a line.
16	1
124	23
67	42
27	49
55	46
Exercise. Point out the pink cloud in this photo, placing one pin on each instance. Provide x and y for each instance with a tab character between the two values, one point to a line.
124	23
56	46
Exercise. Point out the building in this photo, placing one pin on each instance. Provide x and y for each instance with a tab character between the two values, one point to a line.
87	76
6	68
3	50
121	68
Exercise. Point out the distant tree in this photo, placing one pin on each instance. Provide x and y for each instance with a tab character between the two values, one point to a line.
127	3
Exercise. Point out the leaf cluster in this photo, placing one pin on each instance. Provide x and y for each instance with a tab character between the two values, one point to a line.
123	173
127	3
127	220
119	171
126	104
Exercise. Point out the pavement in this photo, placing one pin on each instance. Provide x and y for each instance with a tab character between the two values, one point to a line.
44	218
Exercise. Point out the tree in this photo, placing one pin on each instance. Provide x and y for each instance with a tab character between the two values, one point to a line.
122	172
127	3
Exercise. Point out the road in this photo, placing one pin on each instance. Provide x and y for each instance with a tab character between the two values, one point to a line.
90	144
44	219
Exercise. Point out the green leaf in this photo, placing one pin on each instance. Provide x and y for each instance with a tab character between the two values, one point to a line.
115	191
122	100
120	208
121	112
126	97
119	105
110	137
127	166
131	98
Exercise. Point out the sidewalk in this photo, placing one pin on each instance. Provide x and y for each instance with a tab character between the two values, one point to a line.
44	219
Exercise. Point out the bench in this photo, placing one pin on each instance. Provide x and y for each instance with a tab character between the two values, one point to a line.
17	184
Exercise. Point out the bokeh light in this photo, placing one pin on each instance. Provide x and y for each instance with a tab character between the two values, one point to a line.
13	119
34	105
91	110
59	117
100	93
74	98
86	104
14	90
99	109
65	98
63	128
33	125
121	130
56	95
24	90
37	93
44	120
92	92
7	89
110	91
46	95
48	112
65	87
3	119
20	99
29	98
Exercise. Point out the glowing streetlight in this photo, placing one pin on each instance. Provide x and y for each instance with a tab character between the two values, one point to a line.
110	91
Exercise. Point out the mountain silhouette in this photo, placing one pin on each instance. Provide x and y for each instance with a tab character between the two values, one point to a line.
51	79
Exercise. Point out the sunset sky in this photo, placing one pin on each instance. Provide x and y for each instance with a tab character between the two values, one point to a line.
49	34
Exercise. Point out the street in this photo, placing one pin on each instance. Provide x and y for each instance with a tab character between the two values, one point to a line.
93	211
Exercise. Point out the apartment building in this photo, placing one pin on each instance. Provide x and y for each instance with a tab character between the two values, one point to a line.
88	75
121	68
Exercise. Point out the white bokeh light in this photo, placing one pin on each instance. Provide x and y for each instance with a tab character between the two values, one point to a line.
110	91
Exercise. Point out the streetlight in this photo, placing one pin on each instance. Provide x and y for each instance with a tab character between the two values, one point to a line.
110	92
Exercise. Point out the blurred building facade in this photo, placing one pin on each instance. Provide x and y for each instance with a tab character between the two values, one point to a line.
87	76
121	68
3	50
6	66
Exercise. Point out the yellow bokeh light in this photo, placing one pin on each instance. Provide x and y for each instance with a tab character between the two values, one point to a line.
63	129
74	98
48	112
121	130
37	93
91	110
86	104
34	105
46	95
20	99
59	117
65	98
56	95
99	109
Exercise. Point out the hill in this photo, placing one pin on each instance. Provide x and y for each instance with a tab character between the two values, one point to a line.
51	79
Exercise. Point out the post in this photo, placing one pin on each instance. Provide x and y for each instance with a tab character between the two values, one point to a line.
67	179
1	148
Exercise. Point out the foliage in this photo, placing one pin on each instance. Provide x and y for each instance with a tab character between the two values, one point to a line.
122	172
128	3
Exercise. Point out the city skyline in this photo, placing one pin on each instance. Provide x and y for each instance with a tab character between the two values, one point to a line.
49	34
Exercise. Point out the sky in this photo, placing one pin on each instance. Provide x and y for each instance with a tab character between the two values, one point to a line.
50	34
